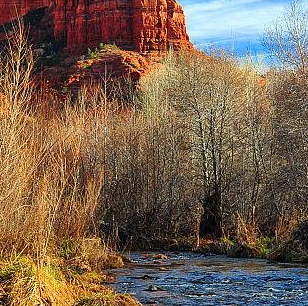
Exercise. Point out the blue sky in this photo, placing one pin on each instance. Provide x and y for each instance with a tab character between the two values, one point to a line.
235	24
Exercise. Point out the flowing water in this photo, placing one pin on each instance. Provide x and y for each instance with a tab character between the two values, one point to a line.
189	279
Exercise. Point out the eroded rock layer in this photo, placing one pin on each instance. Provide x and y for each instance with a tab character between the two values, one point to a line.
10	9
140	25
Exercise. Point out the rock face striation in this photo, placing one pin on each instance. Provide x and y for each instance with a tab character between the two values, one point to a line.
138	25
10	9
75	41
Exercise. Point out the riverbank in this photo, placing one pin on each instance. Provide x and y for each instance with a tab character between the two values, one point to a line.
75	275
79	273
292	248
260	248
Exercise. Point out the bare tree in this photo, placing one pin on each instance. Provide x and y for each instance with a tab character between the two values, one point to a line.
287	38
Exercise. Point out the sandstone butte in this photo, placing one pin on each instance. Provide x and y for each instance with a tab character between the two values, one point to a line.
139	25
142	29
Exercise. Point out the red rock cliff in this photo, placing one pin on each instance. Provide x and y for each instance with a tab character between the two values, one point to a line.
140	25
9	9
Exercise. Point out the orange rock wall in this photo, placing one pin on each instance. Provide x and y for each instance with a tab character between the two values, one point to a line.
9	9
140	25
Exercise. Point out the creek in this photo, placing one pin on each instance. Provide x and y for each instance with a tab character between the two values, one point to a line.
190	279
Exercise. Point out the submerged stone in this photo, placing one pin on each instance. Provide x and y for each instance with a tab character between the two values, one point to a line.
243	250
154	288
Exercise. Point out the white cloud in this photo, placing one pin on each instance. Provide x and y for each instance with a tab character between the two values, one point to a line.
226	19
214	5
231	21
235	24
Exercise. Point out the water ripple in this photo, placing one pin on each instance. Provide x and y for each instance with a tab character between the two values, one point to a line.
197	280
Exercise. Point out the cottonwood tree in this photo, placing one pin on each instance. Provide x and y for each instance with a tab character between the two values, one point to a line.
287	40
206	93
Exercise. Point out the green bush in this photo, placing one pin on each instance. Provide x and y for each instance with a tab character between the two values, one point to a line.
112	46
93	54
68	249
265	245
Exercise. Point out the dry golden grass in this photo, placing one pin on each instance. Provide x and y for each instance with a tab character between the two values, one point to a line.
49	191
24	282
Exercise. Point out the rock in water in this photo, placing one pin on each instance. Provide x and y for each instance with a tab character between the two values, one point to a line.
243	250
139	25
160	256
154	288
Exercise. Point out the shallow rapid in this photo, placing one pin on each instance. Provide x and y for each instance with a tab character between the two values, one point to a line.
189	279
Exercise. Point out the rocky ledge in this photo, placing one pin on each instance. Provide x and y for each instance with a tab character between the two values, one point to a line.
76	40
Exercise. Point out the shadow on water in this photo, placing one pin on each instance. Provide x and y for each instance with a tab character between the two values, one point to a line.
189	279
